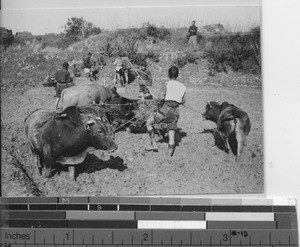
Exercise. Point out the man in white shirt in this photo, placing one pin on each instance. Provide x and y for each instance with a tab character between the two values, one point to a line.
172	94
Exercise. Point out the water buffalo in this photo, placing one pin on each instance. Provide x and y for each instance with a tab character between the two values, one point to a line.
82	95
66	138
231	121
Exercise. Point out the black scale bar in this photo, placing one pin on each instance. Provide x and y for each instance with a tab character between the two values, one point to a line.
143	207
131	224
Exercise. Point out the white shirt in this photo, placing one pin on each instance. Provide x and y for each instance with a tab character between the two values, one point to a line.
175	91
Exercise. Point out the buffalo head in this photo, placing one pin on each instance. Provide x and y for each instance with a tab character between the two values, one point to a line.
212	111
101	133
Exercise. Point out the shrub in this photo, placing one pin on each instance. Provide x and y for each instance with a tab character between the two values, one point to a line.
125	41
6	37
78	27
185	59
139	57
239	51
156	33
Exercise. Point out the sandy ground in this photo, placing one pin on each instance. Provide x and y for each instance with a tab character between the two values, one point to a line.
198	166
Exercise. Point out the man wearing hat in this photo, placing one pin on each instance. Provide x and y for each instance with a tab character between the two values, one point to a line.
63	79
171	96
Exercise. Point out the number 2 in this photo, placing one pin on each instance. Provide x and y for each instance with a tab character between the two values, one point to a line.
145	237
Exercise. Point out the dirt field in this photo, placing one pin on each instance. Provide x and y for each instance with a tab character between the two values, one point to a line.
197	167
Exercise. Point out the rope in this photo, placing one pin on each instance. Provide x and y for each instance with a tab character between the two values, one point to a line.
192	109
117	104
143	80
131	120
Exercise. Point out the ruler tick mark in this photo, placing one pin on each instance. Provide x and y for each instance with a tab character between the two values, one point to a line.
151	234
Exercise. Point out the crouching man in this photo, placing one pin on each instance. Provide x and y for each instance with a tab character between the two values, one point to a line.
171	96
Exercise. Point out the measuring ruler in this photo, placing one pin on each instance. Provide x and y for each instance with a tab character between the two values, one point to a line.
147	221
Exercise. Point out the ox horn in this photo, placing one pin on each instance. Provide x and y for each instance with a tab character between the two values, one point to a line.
88	124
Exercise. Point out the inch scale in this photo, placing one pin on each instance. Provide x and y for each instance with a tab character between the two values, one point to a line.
137	221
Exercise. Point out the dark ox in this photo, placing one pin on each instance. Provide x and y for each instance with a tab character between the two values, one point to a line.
68	137
231	121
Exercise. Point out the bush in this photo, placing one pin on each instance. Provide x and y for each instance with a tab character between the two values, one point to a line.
53	40
240	52
78	27
6	37
185	59
125	42
139	57
157	33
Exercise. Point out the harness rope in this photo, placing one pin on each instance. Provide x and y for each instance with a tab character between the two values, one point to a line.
192	109
131	120
142	80
117	104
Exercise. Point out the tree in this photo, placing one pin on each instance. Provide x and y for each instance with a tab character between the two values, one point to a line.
78	28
